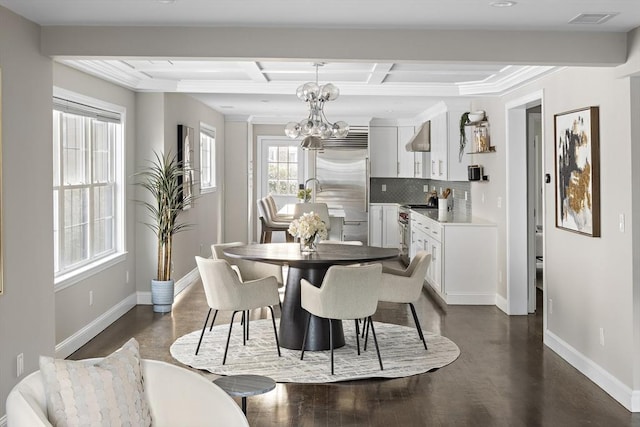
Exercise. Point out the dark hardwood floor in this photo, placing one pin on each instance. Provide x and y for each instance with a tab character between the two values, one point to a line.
503	377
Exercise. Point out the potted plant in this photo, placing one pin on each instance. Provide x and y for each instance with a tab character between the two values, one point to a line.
162	178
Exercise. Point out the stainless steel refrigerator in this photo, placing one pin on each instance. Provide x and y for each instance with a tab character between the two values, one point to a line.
343	178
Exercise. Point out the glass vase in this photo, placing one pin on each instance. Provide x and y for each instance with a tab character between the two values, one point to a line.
309	246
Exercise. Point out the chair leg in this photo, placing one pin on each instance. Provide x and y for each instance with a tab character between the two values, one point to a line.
203	329
275	332
331	342
215	314
304	339
224	359
247	324
375	340
244	329
365	329
357	336
418	327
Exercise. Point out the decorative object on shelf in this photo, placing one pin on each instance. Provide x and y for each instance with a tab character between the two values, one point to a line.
464	119
316	127
481	139
475	172
310	229
161	178
577	159
304	195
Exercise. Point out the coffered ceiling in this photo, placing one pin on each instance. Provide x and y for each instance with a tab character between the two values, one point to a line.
265	90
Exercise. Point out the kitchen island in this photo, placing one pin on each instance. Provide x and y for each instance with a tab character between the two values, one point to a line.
463	252
336	219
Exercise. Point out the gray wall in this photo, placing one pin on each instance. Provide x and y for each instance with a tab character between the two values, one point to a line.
27	307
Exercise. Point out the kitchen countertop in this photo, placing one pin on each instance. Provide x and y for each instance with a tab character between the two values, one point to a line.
453	218
334	211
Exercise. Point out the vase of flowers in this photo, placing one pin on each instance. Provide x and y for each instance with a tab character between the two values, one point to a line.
304	195
310	229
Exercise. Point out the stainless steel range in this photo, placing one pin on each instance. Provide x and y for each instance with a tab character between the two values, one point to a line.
404	222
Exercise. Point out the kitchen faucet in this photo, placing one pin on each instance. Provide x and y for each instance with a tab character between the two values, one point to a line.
319	187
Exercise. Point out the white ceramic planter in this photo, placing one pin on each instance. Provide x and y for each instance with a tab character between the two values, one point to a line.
162	295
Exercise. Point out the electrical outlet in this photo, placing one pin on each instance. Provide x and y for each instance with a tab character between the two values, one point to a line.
20	364
425	188
550	306
453	193
466	195
621	224
482	198
499	202
90	298
126	277
384	187
602	337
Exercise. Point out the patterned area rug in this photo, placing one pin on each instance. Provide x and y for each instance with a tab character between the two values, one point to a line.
400	348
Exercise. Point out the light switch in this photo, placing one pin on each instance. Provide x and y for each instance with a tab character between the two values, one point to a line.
384	187
622	223
499	202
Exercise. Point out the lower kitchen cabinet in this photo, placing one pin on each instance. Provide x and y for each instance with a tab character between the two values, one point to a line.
384	230
463	265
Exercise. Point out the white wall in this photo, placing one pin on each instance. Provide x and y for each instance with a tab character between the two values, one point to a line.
27	307
589	279
109	286
236	179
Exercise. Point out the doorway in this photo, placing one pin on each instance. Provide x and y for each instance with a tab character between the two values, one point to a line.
521	221
280	171
534	204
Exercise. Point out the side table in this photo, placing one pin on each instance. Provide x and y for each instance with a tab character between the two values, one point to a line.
245	385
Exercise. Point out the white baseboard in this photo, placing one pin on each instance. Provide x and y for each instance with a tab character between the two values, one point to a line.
144	298
80	338
501	303
627	397
470	299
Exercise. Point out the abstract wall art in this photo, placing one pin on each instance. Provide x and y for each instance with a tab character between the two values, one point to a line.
577	148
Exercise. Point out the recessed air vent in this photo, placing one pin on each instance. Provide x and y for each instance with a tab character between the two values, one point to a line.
592	18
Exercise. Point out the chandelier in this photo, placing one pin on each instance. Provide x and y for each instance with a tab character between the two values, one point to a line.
316	127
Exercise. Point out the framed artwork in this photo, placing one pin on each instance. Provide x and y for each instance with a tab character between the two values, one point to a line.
577	158
185	157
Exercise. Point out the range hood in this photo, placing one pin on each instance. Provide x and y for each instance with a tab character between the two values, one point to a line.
421	140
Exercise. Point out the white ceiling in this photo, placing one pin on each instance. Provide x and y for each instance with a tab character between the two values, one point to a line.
265	90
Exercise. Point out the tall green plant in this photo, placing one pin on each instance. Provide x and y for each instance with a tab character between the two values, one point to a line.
162	178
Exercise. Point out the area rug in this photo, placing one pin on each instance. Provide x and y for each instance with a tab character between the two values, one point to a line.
400	348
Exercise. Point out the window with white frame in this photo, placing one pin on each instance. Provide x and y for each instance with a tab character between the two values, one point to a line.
207	158
87	185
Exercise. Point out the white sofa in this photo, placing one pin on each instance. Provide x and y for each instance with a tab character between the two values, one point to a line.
176	397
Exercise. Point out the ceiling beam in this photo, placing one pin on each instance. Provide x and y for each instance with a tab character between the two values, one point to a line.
502	47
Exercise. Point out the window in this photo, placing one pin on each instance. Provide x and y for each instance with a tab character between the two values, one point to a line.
87	186
207	158
282	170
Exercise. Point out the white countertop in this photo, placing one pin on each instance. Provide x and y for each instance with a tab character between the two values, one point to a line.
453	218
334	211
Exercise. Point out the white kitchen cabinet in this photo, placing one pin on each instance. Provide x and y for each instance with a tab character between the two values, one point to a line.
463	266
384	230
389	157
410	164
446	164
383	151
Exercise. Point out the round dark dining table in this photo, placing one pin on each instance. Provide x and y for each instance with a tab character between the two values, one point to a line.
313	268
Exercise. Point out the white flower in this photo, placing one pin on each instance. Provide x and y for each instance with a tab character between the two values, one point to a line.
308	227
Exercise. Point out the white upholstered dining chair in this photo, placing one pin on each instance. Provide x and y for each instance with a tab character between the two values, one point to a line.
405	286
225	291
346	293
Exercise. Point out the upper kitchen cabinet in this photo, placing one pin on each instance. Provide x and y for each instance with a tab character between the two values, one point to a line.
446	164
389	157
411	164
383	151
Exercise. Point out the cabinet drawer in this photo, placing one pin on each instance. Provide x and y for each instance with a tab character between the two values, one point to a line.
435	230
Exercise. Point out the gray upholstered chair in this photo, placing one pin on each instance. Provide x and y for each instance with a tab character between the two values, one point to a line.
270	223
346	293
405	286
273	208
225	291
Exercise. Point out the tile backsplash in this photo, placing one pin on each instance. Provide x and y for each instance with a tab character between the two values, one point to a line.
412	190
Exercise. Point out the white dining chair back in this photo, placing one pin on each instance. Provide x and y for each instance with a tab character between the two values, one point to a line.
405	286
319	208
249	270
